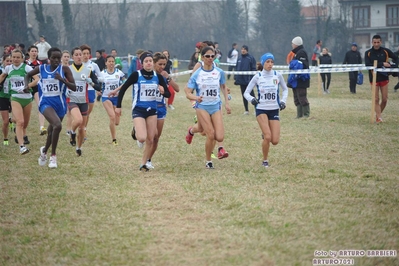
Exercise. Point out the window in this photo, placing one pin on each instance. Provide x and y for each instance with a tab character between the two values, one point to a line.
392	15
396	39
384	38
361	16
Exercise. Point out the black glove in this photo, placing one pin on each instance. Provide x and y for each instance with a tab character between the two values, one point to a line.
254	101
282	106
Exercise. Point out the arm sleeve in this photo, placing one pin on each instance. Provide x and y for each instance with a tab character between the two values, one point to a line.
97	84
162	82
367	60
250	87
133	78
393	56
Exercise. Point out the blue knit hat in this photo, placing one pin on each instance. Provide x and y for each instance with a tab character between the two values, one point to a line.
266	56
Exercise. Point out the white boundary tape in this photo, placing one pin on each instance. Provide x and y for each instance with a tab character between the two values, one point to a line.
305	71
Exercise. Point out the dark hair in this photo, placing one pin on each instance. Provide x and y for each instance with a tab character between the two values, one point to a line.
22	45
168	54
144	55
85	47
100	52
234	44
377	36
53	49
209	43
32	46
108	56
114	50
158	56
206	49
5	56
74	49
318	41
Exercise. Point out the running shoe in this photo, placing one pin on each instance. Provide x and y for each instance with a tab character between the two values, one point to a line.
149	165
68	132
23	150
114	142
171	107
209	165
213	156
26	140
144	168
222	153
265	164
140	144
43	157
189	136
195	119
72	139
134	133
78	152
43	131
11	125
53	162
5	142
378	120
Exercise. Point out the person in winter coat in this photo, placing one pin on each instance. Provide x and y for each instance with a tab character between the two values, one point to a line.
353	57
303	82
245	62
325	59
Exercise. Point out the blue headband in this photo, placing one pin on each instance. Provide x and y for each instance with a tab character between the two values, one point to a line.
266	56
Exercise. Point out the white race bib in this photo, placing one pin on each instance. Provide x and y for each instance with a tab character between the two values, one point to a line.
148	92
80	88
51	87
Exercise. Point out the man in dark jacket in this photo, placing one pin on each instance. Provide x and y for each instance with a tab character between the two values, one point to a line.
397	85
353	57
381	55
245	62
300	91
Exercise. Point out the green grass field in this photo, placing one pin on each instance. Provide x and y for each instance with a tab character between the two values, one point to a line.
332	184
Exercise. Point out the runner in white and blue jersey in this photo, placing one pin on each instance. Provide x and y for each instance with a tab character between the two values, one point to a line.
52	89
146	86
207	82
268	102
160	61
111	78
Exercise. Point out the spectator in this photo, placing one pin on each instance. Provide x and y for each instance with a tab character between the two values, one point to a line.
316	52
300	83
21	47
353	57
325	59
100	60
396	88
43	48
232	57
135	64
118	61
245	62
218	52
194	56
